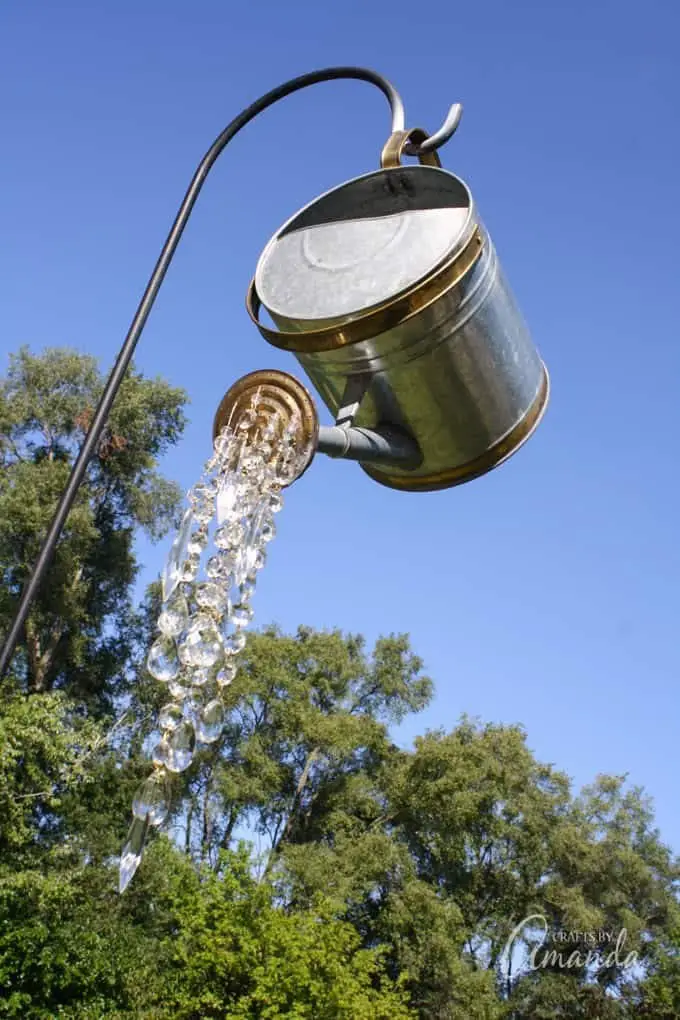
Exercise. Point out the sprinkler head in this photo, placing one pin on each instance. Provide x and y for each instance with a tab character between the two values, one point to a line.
272	403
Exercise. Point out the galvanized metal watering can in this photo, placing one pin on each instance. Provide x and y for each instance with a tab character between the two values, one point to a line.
389	293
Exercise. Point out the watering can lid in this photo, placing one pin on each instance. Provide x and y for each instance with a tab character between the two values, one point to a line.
362	244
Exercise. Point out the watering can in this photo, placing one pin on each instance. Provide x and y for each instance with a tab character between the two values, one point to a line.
389	293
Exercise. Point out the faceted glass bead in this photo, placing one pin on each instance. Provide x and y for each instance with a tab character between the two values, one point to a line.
131	854
201	644
151	800
236	532
235	643
223	442
169	717
275	503
215	567
178	551
203	493
196	545
162	661
241	615
180	688
246	592
190	568
160	753
174	615
210	722
222	539
204	514
246	420
199	677
267	531
181	743
211	596
226	675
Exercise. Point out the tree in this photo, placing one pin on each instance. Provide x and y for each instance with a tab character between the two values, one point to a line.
391	880
79	636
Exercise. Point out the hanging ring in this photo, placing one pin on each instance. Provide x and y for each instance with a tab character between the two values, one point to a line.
441	137
396	146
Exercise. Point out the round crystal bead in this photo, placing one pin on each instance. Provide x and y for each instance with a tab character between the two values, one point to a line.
181	744
163	661
174	615
201	644
210	722
169	717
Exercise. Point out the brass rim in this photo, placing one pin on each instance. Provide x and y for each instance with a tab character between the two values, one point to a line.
380	319
493	457
277	392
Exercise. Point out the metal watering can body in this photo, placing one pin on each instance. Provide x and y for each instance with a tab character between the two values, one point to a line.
389	292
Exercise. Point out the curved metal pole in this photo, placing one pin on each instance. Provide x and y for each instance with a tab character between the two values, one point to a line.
141	315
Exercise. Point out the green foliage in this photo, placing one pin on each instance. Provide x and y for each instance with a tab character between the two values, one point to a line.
80	633
387	881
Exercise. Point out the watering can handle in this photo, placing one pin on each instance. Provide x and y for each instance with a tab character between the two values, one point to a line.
401	142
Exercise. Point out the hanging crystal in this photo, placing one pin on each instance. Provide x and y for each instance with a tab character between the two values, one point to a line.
170	717
174	615
210	722
131	854
181	743
202	632
201	644
163	661
173	569
151	801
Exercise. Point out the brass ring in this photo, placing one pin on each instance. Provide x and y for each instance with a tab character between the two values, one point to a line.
397	142
384	317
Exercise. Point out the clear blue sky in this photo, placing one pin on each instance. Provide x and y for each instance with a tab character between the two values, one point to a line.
545	593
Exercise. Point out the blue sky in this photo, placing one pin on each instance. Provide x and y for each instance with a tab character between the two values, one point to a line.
545	593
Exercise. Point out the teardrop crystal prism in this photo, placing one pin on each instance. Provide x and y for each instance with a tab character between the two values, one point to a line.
171	575
201	644
227	498
151	801
163	661
174	615
210	722
131	853
181	743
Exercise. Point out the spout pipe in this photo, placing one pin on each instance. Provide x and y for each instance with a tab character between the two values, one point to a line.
373	446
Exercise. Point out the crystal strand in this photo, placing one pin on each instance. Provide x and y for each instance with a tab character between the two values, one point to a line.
202	631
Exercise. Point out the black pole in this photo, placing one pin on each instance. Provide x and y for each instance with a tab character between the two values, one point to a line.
141	315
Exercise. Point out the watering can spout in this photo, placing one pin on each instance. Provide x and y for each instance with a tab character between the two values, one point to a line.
276	403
